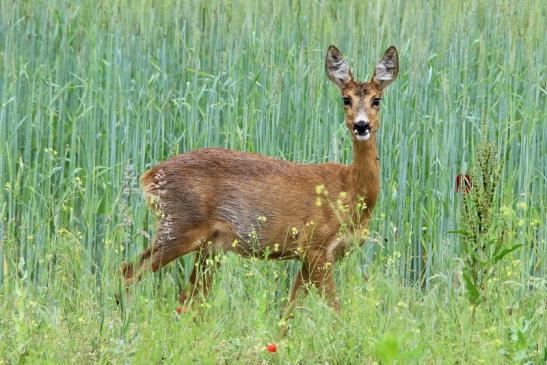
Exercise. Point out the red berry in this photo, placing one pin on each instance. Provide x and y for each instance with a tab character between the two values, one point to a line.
179	310
271	347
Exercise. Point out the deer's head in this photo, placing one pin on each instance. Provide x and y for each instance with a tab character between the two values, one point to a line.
362	99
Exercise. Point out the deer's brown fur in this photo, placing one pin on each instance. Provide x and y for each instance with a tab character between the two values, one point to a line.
215	199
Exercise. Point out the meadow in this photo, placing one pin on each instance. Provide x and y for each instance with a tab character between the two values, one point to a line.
94	93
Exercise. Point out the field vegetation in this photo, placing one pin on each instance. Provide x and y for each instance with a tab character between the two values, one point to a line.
92	93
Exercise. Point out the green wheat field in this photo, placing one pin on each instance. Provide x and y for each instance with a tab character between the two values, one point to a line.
92	93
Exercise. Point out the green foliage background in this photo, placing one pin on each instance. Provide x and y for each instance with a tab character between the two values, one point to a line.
93	93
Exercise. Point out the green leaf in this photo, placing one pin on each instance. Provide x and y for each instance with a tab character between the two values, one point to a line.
472	290
413	355
460	232
504	253
388	349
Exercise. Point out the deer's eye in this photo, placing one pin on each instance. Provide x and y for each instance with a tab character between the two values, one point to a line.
347	101
376	102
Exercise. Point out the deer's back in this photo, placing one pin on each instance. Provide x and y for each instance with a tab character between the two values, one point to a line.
254	194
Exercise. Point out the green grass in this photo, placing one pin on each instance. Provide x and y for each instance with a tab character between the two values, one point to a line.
93	93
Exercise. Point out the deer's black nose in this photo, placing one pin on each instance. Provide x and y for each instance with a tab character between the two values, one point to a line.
361	127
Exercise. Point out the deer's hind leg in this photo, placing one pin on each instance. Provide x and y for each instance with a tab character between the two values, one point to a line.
206	263
166	246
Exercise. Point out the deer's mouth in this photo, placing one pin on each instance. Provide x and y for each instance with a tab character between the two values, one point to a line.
362	131
362	136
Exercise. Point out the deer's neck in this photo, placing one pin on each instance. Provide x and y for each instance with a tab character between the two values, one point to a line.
365	174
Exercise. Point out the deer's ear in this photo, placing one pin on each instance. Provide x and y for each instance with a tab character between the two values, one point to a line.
337	67
387	68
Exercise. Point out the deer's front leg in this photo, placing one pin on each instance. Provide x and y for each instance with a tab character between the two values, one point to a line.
317	270
322	278
301	280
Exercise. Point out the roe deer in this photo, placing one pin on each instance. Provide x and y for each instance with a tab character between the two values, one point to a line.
215	199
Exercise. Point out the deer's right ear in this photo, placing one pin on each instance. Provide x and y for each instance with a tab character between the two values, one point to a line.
337	67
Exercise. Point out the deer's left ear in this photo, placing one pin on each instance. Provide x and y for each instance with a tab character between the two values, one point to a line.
387	68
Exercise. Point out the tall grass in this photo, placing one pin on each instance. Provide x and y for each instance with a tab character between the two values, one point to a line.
93	93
